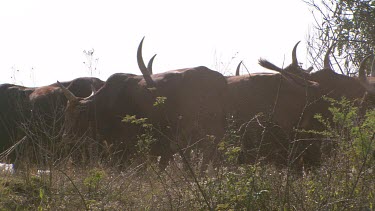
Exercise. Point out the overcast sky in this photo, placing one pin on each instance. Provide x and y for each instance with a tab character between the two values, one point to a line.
42	41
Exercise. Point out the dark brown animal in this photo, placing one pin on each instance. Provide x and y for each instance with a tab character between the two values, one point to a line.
192	110
267	107
47	114
48	102
36	113
14	111
332	85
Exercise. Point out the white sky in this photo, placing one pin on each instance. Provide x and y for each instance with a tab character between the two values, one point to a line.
44	39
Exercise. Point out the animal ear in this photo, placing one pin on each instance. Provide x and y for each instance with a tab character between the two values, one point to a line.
238	68
27	92
68	94
309	69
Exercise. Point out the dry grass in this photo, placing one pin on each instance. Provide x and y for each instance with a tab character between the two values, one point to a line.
339	184
344	181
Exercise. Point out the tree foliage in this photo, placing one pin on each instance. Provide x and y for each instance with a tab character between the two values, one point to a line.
349	25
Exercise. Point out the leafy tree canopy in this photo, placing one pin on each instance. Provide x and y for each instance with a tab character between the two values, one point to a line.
350	25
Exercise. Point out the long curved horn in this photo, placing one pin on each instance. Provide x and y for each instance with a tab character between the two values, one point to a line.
238	68
327	63
142	66
149	65
93	90
68	94
362	70
294	55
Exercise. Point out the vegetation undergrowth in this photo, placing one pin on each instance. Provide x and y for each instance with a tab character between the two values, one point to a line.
344	181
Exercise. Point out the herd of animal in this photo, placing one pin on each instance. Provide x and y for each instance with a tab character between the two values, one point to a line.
182	109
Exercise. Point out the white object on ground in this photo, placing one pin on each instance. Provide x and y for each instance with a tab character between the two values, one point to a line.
7	168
